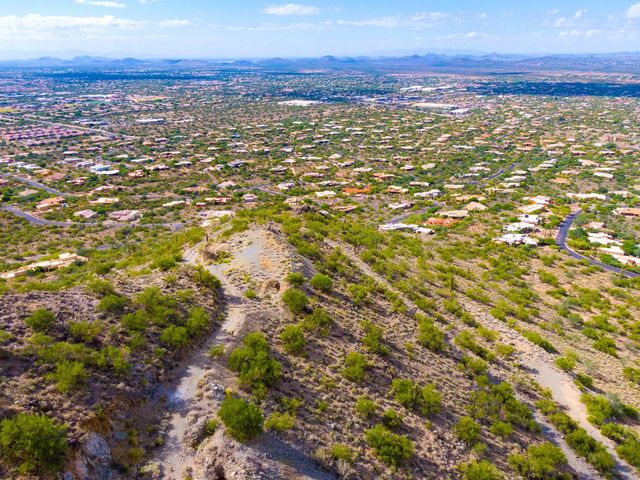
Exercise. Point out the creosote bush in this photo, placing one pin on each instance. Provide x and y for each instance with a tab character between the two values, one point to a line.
253	363
33	443
391	448
242	419
41	320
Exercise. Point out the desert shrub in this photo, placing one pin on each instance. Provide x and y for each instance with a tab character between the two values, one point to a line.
632	374
84	331
295	279
480	470
69	376
358	294
391	419
425	400
175	337
473	366
539	340
498	402
253	363
542	461
429	335
205	279
342	452
606	345
101	287
566	363
197	322
210	427
216	351
321	282
589	448
372	338
293	339
242	420
365	407
280	422
318	321
165	263
465	340
113	303
467	430
628	442
41	320
33	443
501	429
296	301
135	321
599	409
115	358
391	448
584	381
355	365
159	308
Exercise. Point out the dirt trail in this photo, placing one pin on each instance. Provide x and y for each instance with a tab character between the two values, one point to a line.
259	255
563	389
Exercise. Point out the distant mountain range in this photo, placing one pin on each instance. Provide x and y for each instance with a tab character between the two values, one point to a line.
628	62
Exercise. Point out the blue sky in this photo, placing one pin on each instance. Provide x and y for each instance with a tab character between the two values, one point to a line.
255	28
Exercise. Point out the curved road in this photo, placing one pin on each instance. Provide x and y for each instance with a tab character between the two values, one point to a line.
34	184
561	241
42	221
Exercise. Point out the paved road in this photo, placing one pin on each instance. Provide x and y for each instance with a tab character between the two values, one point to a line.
42	221
561	241
34	184
400	218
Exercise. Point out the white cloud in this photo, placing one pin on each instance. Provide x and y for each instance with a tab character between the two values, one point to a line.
579	14
634	11
385	22
101	3
560	22
554	11
291	9
422	16
175	23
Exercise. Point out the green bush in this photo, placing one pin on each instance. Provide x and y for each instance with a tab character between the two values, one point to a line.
295	279
542	461
372	338
175	337
136	321
606	345
69	376
293	339
253	363
391	419
342	452
280	422
599	409
197	322
365	407
321	282
33	443
501	429
216	351
425	400
318	321
355	365
113	303
242	420
296	301
482	470
391	448
539	340
41	320
205	279
467	430
566	363
632	374
85	331
430	336
101	287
